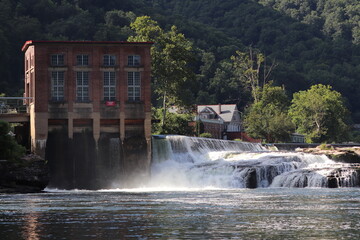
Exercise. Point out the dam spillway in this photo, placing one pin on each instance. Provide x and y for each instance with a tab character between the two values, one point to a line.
180	161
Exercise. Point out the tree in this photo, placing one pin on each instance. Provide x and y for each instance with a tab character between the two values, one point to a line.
171	58
248	67
268	118
320	114
174	123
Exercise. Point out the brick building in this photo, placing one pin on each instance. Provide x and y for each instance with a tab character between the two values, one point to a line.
222	121
103	87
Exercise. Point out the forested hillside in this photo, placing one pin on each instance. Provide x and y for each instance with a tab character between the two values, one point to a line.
311	41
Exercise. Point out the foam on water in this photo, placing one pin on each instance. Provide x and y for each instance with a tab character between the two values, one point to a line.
187	162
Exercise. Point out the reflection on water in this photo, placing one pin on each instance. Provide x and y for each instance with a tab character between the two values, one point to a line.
204	214
31	224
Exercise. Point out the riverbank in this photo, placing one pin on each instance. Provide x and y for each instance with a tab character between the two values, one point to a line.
30	174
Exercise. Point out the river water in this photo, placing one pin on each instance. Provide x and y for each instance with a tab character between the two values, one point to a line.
201	189
262	213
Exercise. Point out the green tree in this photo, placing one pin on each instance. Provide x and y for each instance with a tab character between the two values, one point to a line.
251	69
174	123
268	118
172	55
320	114
9	148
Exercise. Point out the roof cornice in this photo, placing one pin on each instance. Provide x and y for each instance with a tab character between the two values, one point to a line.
35	42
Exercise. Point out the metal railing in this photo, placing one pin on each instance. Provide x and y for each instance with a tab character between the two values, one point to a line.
13	105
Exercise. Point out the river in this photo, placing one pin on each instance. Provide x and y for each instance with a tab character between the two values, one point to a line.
262	213
200	189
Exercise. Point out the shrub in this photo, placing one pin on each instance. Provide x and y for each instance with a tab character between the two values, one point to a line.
325	147
9	148
205	135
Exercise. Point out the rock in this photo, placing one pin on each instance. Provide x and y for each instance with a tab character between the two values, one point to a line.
28	175
338	154
251	179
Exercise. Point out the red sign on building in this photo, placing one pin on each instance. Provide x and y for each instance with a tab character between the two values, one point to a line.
110	103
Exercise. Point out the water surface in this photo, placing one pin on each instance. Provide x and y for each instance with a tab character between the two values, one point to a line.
263	213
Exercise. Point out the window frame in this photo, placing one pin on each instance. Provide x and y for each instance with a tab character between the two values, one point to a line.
134	86
134	60
109	60
57	59
82	60
82	86
57	86
109	86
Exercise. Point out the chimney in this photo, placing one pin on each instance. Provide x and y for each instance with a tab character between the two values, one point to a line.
219	108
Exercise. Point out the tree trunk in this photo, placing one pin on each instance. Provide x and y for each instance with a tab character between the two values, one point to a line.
164	111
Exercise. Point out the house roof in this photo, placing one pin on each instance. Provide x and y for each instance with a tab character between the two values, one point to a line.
225	111
33	42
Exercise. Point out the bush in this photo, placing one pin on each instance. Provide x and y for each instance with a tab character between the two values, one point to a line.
174	123
205	135
325	146
9	148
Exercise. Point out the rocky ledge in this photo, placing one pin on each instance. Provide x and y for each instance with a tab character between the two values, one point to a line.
28	175
338	154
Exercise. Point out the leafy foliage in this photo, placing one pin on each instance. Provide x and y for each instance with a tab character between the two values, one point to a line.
267	118
174	123
312	41
248	67
9	148
171	58
205	135
320	114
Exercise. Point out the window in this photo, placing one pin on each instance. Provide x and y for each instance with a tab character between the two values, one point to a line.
57	86
134	86
134	60
109	60
82	60
109	86
57	60
82	86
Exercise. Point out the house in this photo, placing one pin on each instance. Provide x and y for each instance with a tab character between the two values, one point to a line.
102	87
222	121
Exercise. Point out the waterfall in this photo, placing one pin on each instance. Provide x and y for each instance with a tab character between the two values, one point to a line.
180	161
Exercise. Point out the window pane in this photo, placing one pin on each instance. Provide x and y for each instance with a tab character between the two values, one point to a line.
133	60
82	90
112	60
136	60
57	85
109	86
82	60
109	60
134	82
57	60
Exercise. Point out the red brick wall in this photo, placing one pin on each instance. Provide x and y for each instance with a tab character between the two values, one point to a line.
43	52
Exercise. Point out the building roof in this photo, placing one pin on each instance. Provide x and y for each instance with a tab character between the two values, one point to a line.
33	42
225	111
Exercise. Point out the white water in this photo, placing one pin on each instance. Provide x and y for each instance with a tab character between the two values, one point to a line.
186	162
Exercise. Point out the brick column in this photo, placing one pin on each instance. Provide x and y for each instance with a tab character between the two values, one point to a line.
96	126
122	126
70	125
38	131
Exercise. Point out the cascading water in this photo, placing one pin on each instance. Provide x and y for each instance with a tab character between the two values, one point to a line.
180	161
